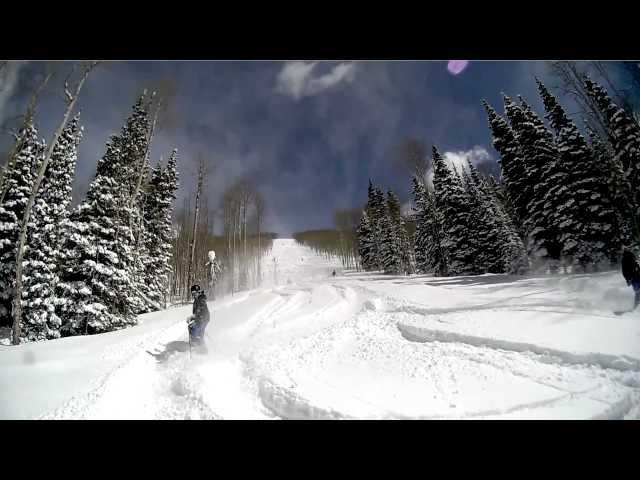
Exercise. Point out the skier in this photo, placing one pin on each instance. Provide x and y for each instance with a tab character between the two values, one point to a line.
200	318
214	268
631	273
334	273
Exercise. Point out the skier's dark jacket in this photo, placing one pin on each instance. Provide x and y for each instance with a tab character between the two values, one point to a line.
630	268
200	310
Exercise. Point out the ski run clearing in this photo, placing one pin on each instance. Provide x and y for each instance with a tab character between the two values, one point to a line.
356	346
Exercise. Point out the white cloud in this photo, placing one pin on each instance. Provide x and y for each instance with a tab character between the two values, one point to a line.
476	155
296	78
459	159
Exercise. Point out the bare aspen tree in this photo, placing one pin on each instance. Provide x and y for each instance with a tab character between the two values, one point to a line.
163	118
192	249
571	77
71	98
245	197
259	203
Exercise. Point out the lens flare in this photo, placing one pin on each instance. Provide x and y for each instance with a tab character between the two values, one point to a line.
457	66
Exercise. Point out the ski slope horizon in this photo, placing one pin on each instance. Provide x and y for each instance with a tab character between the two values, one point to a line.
307	345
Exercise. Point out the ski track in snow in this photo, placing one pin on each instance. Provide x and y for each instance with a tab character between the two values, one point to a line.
310	346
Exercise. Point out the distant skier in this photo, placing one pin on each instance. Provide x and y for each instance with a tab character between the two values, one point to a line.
213	270
631	273
334	273
200	318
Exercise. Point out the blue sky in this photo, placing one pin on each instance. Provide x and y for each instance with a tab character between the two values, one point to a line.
311	133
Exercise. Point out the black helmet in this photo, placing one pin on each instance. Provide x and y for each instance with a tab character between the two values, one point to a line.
195	289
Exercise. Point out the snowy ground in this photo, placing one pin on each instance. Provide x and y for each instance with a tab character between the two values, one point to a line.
308	345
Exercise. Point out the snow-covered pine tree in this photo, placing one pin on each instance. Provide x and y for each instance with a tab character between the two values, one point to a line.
512	165
42	255
421	235
545	182
431	254
482	225
372	211
537	122
502	195
18	184
97	292
624	136
160	194
400	253
376	210
596	235
134	157
611	169
390	244
505	251
366	247
141	254
450	202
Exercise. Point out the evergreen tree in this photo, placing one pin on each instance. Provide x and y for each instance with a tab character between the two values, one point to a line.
373	216
531	116
431	255
512	165
624	136
134	158
403	236
390	244
366	246
97	290
376	209
504	199
145	298
157	233
594	236
505	252
42	255
18	183
611	170
396	256
421	235
543	185
482	228
450	203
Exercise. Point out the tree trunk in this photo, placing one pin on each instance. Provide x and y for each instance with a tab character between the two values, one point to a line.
17	301
244	254
259	271
192	250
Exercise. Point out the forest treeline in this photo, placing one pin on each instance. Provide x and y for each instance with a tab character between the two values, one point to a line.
566	200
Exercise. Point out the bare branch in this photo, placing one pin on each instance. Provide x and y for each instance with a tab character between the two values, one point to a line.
11	133
67	93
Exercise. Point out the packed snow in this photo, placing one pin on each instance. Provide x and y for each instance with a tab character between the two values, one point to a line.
353	346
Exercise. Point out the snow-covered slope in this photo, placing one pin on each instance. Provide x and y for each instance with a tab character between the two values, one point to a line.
289	263
307	345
